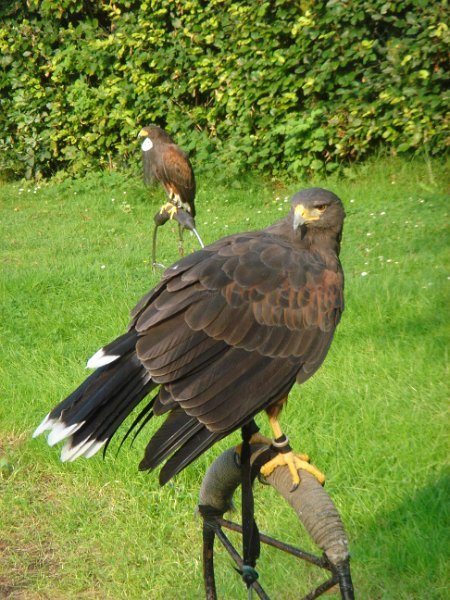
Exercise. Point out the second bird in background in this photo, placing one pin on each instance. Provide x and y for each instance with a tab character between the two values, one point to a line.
166	162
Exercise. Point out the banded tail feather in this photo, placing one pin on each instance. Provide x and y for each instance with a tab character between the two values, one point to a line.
88	418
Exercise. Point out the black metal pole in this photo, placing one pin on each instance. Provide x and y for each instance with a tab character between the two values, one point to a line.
239	562
321	589
315	560
344	577
208	561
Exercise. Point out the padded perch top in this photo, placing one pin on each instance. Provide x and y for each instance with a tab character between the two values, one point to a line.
310	501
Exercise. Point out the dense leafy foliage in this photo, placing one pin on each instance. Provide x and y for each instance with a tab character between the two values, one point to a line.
269	85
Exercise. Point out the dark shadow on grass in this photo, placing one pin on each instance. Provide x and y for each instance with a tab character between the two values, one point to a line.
408	547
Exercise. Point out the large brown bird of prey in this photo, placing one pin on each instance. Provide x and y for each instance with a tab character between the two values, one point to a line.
166	162
224	335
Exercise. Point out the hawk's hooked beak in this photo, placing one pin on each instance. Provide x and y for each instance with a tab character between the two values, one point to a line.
303	215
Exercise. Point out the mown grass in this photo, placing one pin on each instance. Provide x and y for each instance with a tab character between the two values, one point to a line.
76	260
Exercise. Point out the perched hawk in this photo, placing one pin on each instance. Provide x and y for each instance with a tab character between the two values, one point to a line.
166	162
225	335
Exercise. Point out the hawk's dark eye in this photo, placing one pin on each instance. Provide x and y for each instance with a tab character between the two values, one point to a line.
320	207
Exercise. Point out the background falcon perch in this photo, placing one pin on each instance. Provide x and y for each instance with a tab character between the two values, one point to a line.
224	335
163	160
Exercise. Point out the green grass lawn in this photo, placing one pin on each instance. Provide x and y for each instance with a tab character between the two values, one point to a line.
75	260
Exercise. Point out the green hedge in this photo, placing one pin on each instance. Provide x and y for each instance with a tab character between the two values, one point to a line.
269	85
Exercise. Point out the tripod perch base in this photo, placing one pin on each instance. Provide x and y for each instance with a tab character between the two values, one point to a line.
311	503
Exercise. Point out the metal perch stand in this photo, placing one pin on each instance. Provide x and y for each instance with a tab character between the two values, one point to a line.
310	501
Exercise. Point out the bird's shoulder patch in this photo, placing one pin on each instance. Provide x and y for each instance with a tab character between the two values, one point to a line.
177	167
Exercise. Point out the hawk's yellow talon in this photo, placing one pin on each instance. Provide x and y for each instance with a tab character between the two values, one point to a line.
294	462
170	208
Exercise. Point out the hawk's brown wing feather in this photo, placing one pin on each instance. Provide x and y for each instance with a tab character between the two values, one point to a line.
176	172
232	326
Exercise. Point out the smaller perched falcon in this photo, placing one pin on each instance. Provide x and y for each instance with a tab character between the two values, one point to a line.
163	160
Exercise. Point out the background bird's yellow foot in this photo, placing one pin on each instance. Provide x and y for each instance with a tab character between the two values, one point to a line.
294	462
170	208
